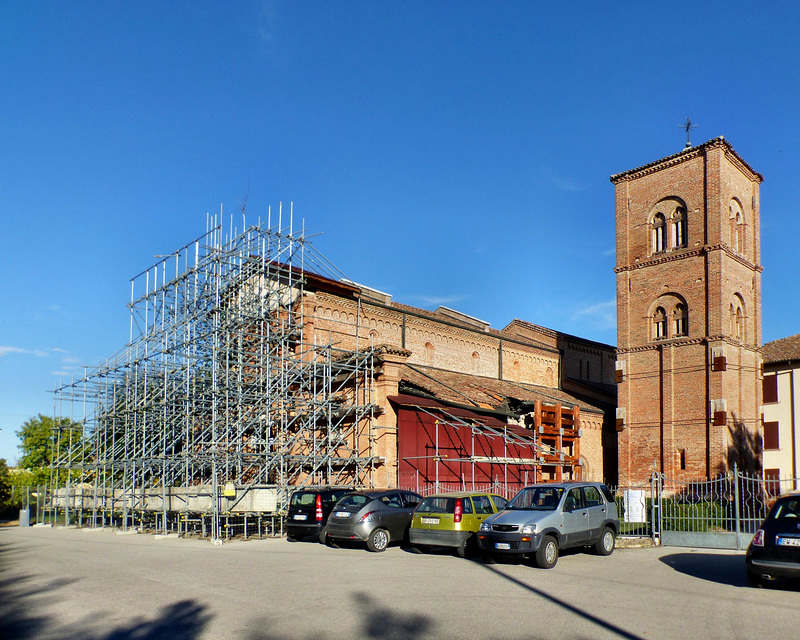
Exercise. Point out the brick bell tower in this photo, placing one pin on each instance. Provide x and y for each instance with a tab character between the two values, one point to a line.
688	315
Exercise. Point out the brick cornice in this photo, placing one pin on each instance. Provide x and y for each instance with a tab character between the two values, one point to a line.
654	346
742	166
671	257
683	342
686	155
387	349
427	321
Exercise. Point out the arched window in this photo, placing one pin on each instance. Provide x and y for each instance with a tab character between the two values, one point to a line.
679	228
739	324
681	320
738	316
738	226
429	354
660	324
668	225
659	233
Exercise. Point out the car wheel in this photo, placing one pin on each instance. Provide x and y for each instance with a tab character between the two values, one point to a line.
291	538
605	544
378	540
488	558
323	534
547	554
465	548
418	548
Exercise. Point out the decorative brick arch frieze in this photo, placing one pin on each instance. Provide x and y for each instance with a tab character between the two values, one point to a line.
453	345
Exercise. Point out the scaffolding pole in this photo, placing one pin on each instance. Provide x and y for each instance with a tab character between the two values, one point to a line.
223	399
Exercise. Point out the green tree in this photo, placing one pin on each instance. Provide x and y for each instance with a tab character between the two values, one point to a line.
6	496
43	441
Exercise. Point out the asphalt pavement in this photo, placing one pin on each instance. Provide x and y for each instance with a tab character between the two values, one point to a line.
96	585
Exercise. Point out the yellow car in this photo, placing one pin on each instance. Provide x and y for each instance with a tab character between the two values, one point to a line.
451	520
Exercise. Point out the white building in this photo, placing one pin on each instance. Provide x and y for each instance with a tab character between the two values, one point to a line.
781	413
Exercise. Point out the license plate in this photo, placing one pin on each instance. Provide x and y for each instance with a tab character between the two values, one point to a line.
342	514
300	516
502	545
430	521
789	542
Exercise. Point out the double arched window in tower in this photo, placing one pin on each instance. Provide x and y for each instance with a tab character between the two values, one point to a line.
670	318
738	227
668	225
738	317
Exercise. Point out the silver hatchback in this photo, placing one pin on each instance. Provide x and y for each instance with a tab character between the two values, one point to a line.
544	518
374	517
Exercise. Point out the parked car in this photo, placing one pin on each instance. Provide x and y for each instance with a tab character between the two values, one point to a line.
451	520
309	510
542	519
774	551
375	517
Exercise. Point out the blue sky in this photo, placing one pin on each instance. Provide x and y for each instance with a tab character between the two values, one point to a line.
453	153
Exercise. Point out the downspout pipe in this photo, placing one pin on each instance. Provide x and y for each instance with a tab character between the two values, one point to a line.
793	422
661	405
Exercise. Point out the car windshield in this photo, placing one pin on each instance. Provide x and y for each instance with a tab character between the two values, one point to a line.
353	500
537	499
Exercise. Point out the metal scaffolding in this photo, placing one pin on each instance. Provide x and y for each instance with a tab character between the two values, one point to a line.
223	400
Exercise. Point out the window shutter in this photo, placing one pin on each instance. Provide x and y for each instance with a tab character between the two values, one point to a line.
770	389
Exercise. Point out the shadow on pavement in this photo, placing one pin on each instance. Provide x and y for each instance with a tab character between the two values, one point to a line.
717	567
622	633
23	596
20	597
376	621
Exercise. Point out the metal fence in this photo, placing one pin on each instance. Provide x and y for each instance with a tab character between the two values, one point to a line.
721	513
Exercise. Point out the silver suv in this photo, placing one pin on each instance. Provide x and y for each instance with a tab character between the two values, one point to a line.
544	518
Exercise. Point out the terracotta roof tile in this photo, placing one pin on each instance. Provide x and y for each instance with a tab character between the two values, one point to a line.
782	350
479	391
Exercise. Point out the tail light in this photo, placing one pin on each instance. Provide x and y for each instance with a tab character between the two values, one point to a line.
758	539
319	508
459	510
366	517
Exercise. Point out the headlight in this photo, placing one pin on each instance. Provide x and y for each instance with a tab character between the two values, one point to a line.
485	526
528	528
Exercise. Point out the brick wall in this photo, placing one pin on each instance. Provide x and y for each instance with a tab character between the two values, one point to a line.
668	381
434	342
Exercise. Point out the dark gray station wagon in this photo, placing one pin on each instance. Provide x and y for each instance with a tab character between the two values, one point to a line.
544	518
